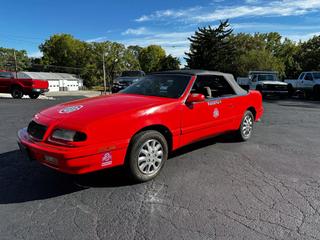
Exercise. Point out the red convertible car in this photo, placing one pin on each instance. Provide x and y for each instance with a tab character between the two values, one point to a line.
139	126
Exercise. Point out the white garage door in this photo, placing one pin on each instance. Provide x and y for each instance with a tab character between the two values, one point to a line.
53	85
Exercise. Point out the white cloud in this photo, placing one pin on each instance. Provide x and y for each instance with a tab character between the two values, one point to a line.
169	13
174	43
251	1
252	8
136	31
301	37
36	54
268	27
98	39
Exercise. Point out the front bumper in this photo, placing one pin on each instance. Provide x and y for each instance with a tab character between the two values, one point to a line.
275	92
118	87
77	160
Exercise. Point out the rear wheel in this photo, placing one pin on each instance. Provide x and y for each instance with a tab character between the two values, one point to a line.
147	155
245	131
316	92
34	95
17	93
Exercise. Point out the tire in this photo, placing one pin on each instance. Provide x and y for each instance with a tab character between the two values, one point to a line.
290	90
259	88
283	96
316	92
34	95
16	93
246	127
147	154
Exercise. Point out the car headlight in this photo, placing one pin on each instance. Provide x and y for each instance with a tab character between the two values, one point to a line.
69	135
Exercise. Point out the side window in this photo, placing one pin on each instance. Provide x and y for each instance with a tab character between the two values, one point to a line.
5	75
308	77
254	78
212	86
301	76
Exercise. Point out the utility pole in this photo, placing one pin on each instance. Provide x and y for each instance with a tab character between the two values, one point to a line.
104	74
15	62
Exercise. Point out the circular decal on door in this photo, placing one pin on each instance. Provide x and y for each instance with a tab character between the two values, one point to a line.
70	109
216	113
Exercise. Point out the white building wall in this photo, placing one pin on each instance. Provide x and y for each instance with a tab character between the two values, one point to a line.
53	85
58	81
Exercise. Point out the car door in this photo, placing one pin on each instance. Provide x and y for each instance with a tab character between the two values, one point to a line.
5	81
299	83
210	117
308	82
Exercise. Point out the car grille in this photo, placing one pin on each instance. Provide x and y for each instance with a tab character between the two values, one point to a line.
276	87
36	130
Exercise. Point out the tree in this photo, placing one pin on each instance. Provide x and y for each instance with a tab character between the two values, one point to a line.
150	58
288	53
261	60
280	54
64	50
8	61
169	63
135	50
117	58
308	55
211	49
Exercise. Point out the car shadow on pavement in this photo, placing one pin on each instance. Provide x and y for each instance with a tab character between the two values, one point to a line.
23	181
226	138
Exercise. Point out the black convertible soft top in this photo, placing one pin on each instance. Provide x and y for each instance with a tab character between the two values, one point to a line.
229	77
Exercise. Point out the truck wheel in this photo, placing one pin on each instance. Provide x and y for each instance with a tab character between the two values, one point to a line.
34	95
316	92
147	155
246	127
17	93
290	90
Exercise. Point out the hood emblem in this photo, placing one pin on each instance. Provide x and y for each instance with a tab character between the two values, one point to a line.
70	109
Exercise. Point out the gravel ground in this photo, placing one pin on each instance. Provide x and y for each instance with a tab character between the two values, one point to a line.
267	188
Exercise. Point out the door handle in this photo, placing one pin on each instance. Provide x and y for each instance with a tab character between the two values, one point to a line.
231	105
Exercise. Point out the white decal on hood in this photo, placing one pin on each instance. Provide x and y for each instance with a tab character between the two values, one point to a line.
70	109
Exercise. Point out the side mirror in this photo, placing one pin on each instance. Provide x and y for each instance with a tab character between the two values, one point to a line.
195	97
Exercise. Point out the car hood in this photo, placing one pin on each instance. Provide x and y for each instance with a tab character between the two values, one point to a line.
86	110
273	83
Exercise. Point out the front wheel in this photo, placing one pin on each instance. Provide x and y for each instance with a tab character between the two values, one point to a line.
245	131
34	95
147	155
17	93
291	91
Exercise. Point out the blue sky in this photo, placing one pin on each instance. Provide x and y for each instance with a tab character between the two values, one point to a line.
25	24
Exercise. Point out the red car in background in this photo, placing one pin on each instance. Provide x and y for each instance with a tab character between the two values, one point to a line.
139	126
19	84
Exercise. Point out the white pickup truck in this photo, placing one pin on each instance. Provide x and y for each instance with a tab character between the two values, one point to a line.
307	83
267	82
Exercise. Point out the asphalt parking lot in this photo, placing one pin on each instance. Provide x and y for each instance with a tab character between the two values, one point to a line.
267	188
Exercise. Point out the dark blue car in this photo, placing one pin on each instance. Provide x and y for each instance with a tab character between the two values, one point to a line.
126	79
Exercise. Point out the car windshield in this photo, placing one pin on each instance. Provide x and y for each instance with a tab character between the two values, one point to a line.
169	86
316	75
268	77
125	79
